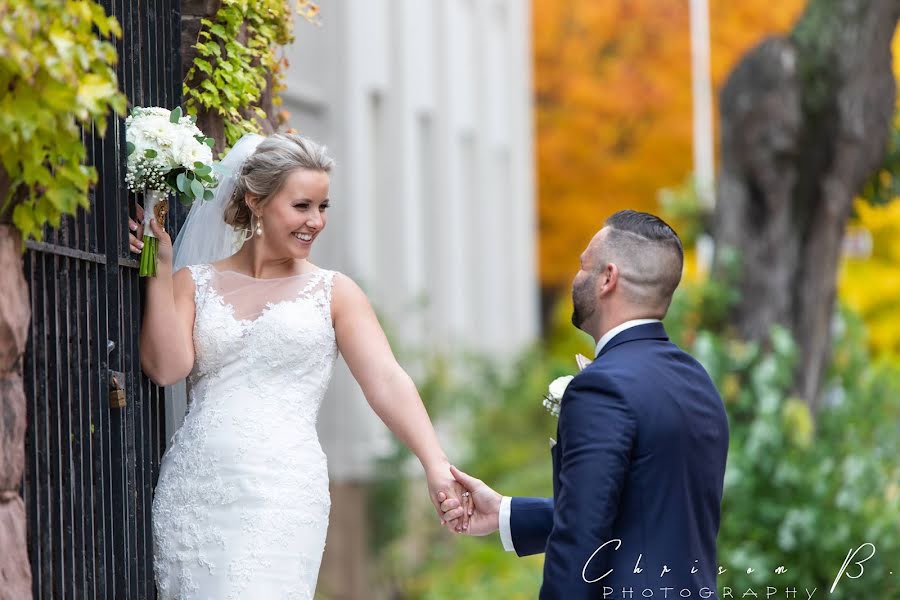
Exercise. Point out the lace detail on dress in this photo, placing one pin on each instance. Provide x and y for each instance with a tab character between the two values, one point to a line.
201	275
242	503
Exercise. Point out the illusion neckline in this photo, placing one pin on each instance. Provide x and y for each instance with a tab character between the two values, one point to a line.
223	271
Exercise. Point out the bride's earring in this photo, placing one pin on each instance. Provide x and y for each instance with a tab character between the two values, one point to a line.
259	230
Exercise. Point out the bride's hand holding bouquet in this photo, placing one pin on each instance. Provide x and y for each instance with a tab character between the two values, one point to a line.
164	252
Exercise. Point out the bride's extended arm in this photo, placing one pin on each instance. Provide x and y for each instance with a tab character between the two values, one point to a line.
389	390
166	347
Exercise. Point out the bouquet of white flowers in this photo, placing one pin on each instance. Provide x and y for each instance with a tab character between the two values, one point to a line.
166	153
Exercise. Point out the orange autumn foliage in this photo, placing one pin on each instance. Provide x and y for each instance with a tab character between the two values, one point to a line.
613	106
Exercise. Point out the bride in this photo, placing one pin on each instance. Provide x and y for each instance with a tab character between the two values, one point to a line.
241	506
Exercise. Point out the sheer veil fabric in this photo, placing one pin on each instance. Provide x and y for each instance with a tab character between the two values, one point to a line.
205	237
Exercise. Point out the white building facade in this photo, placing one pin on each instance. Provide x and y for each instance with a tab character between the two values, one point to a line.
426	107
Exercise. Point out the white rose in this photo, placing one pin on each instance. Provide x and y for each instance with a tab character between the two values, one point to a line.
558	386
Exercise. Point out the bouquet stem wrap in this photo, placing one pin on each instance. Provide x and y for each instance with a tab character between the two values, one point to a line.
155	207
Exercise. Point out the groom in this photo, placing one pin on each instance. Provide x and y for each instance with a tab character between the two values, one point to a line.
643	437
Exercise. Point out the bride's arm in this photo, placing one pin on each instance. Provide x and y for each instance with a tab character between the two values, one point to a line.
166	347
389	390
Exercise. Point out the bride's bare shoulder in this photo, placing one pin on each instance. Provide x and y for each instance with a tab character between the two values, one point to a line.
343	285
183	282
347	295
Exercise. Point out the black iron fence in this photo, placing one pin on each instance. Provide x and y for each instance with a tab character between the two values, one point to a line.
90	464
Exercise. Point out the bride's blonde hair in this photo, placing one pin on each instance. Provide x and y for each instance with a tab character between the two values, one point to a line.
264	172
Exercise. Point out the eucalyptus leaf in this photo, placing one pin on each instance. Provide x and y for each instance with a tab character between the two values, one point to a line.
129	147
181	182
175	115
197	189
150	153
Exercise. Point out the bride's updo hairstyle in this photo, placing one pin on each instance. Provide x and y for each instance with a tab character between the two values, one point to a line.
264	172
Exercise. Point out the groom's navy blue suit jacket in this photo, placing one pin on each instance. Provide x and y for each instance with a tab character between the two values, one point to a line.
637	473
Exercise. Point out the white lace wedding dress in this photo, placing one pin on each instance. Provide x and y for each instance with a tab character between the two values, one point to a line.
241	506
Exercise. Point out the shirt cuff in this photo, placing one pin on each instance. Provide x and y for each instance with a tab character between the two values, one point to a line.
505	531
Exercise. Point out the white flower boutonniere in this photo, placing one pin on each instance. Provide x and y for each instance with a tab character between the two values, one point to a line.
558	386
555	393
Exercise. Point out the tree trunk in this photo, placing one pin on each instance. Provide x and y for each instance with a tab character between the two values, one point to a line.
15	314
804	122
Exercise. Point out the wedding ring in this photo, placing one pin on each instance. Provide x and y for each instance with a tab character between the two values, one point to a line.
465	494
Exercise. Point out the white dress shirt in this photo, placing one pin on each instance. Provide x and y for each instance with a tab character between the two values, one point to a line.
505	531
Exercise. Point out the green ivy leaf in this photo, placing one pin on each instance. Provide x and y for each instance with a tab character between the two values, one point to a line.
203	65
23	218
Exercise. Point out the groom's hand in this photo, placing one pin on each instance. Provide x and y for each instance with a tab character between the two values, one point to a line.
485	515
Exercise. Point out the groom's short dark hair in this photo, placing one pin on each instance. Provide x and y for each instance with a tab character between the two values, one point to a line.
647	226
650	254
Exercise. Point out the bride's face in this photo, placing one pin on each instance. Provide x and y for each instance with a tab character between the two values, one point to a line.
296	215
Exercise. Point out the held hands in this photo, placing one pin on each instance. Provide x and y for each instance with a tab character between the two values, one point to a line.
135	244
483	509
442	485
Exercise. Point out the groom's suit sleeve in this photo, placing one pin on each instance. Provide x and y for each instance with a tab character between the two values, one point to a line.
529	524
597	429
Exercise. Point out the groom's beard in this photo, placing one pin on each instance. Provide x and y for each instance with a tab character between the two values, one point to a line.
583	306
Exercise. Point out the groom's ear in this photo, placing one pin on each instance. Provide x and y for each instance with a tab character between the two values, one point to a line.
608	279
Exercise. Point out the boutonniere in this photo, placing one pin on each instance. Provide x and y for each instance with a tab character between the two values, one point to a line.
558	386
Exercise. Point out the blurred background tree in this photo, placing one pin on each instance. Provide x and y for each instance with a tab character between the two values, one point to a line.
869	278
805	122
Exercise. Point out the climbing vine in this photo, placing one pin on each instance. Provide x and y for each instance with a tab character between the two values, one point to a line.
57	76
237	58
